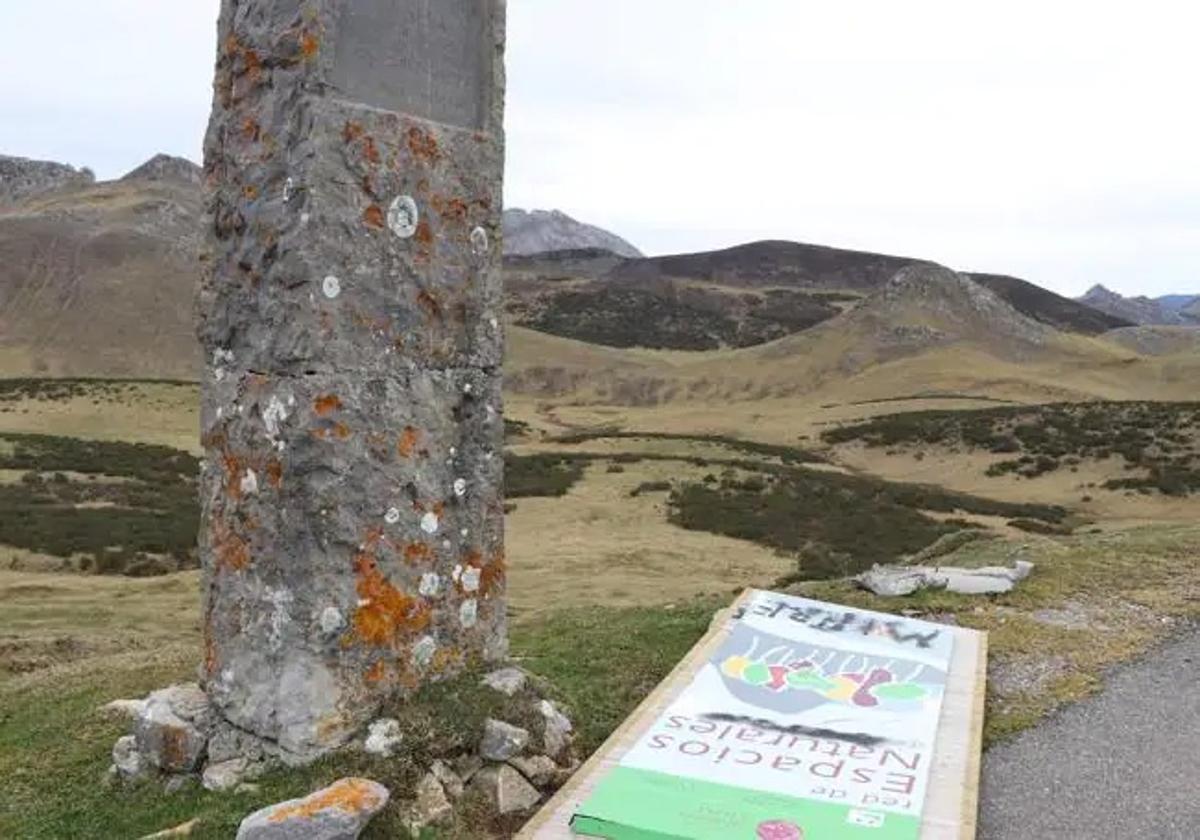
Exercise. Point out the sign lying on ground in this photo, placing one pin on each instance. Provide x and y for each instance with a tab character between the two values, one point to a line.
792	720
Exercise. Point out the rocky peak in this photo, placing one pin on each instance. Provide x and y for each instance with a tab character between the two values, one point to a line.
166	168
21	178
528	232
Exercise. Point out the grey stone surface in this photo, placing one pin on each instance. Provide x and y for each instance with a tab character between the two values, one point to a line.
352	525
504	790
430	806
508	681
556	737
501	741
126	758
128	709
173	727
538	769
338	812
894	581
451	782
224	775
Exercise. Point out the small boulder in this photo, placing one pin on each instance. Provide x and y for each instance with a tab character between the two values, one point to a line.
184	830
556	737
172	728
126	758
501	741
451	782
224	775
430	808
383	737
508	681
505	790
123	709
227	742
538	769
467	765
338	812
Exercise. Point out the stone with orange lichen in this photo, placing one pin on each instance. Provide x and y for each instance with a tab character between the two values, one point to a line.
338	812
172	728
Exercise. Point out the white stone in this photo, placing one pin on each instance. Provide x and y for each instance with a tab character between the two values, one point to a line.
392	516
470	579
224	775
460	487
403	216
383	736
424	650
250	483
508	681
430	585
431	806
430	523
331	287
468	613
556	737
126	758
331	620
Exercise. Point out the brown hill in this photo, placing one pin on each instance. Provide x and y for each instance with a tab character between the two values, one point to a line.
97	279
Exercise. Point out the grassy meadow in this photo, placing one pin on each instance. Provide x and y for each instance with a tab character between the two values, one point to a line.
627	529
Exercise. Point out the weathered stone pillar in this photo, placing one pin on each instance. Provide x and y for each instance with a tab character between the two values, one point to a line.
352	535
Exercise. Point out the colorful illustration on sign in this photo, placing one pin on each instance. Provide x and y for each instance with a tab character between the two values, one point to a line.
772	673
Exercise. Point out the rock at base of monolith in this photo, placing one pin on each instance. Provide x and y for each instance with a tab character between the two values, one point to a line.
172	728
338	812
501	741
430	807
504	790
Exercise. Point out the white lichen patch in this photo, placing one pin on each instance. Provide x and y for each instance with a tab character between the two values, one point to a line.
423	651
278	617
470	579
331	287
431	584
430	523
331	620
456	575
250	483
479	241
403	216
392	516
460	487
273	415
468	613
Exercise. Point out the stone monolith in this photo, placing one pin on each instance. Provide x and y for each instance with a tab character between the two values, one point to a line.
352	530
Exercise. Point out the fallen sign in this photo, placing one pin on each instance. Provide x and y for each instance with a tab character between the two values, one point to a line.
793	720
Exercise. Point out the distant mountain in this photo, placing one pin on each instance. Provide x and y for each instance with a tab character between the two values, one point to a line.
735	297
22	178
97	279
167	168
1177	303
1165	312
540	231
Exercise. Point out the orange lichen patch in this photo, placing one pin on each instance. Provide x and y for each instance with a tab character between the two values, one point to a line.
370	151
250	192
351	131
326	405
233	474
174	741
386	612
275	473
429	303
230	549
408	442
353	796
415	551
373	216
423	145
341	431
439	508
453	209
376	673
445	658
424	234
309	45
492	575
251	129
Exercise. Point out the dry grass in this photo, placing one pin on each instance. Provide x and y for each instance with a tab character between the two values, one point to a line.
600	546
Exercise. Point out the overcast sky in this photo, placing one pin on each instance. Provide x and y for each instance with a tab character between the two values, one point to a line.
1053	140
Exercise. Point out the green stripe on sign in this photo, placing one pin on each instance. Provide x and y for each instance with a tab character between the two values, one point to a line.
634	804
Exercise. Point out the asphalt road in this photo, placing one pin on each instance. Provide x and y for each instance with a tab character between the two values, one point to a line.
1124	764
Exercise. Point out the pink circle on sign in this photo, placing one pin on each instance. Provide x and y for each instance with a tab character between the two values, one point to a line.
779	830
